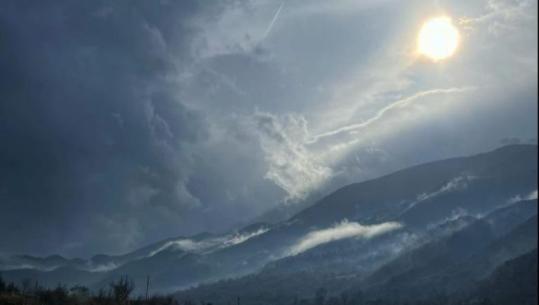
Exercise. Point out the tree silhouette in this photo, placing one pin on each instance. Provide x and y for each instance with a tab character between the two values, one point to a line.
121	290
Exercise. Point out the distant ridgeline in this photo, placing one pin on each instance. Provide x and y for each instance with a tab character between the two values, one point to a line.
456	231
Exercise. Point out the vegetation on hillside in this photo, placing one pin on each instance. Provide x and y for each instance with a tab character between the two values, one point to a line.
119	293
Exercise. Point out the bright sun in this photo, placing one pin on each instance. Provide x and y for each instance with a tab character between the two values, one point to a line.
438	38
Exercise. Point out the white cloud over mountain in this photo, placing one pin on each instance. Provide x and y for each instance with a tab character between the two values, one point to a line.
342	230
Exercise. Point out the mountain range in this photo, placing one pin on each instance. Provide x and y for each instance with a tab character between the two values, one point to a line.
455	227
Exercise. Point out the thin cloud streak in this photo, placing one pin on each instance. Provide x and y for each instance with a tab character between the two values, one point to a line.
273	20
341	231
380	114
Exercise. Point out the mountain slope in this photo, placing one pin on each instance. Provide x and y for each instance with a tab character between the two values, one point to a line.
495	177
458	261
352	220
513	282
423	268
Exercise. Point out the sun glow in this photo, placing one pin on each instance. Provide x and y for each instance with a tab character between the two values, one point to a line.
438	38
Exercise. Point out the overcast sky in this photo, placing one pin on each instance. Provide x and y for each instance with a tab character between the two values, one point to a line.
124	122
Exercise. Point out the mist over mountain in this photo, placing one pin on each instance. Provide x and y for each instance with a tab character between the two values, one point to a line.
443	226
261	152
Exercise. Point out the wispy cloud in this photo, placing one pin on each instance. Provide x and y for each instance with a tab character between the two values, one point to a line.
103	267
455	184
209	244
300	163
236	239
399	104
502	16
290	165
187	245
531	196
342	230
273	20
8	267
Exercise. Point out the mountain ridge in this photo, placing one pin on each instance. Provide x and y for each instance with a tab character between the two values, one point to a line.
416	197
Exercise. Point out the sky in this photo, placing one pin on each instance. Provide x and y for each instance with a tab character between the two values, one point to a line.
125	122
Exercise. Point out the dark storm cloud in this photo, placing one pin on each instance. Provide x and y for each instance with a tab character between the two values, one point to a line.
125	122
93	136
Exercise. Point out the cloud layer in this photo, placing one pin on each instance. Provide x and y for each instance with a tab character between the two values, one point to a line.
208	244
340	231
127	122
